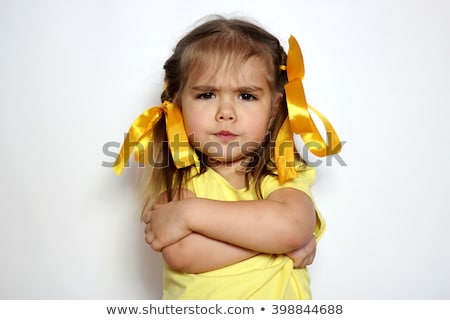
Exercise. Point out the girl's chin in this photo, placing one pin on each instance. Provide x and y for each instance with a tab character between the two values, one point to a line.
224	161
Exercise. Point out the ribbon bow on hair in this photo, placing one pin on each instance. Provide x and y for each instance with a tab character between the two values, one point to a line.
141	134
299	120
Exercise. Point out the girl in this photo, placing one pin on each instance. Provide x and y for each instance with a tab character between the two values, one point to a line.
228	200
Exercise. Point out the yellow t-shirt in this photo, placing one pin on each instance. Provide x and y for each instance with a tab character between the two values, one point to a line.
262	277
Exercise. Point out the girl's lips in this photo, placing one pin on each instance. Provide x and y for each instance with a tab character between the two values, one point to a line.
225	135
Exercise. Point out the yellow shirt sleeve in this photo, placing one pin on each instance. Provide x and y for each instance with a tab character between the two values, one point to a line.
304	182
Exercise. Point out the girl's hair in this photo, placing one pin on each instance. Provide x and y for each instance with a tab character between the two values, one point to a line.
217	41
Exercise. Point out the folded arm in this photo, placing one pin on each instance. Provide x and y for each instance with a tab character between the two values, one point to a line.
196	253
281	223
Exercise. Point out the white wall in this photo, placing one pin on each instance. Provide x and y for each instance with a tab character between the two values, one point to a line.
75	74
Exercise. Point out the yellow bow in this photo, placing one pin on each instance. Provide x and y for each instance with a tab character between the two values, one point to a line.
299	120
141	134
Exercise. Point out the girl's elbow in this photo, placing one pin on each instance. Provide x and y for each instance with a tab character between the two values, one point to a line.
300	232
174	257
296	241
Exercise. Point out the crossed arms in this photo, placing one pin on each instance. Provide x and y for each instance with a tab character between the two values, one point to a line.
198	235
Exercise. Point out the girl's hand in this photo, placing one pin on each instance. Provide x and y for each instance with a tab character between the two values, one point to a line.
304	256
164	222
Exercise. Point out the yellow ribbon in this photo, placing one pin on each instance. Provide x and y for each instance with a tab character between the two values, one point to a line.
140	136
299	120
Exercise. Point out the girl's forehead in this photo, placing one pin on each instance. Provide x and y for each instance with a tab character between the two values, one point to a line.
254	68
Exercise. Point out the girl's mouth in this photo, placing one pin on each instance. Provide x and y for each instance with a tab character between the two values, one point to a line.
225	135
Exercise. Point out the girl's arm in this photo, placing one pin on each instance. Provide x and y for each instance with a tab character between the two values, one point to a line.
196	253
281	223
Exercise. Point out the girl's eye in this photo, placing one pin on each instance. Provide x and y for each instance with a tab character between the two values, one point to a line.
207	95
247	96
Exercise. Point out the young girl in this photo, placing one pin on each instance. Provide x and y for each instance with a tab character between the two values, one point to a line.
227	198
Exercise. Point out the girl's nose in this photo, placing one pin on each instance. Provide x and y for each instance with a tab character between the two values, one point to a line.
225	113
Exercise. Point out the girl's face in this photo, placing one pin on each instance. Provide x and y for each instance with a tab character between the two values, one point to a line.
226	112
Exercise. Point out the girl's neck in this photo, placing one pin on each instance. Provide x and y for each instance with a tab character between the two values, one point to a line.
232	172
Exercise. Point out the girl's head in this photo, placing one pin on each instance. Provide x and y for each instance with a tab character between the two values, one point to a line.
224	48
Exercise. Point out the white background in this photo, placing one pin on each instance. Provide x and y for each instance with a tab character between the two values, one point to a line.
75	74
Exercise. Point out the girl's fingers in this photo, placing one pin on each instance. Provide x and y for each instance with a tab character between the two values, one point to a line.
156	205
146	217
156	245
149	237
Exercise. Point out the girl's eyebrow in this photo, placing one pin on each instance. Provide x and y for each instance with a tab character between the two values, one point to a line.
249	89
239	89
203	88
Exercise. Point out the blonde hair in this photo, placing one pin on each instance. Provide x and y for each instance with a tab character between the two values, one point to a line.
217	41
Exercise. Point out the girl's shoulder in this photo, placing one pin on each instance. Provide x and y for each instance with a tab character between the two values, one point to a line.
306	176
